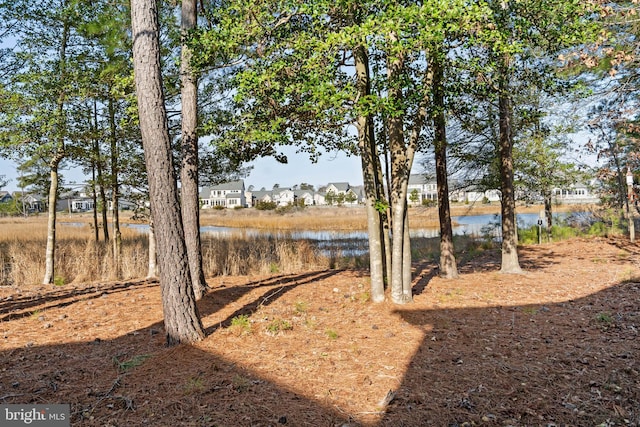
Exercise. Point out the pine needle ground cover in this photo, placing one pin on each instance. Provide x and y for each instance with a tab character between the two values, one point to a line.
558	345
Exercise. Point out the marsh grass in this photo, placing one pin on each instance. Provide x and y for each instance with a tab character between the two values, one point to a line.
79	258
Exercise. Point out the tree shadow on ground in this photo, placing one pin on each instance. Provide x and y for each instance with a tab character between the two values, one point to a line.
17	307
567	363
218	298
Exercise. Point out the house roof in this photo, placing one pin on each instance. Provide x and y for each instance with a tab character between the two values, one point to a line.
225	186
419	179
340	186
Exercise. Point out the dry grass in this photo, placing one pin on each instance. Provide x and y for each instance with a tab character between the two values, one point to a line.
80	259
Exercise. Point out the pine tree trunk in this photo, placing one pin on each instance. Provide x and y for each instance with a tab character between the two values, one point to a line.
49	274
189	171
407	282
548	213
95	158
181	318
94	199
510	262
152	271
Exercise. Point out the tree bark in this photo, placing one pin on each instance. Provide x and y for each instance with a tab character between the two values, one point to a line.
152	271
50	254
189	170
115	192
510	262
548	213
94	198
181	318
400	170
100	178
448	266
49	274
366	145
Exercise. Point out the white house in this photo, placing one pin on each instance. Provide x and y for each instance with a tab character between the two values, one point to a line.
226	195
306	196
284	196
475	195
349	195
576	193
421	188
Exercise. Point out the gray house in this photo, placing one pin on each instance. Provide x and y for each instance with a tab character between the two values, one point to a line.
5	197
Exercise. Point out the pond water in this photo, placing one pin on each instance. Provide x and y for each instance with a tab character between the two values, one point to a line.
466	225
355	242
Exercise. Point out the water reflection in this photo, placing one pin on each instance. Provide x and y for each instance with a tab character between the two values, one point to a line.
354	243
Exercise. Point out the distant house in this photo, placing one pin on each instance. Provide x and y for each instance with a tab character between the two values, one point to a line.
304	196
575	194
264	196
284	196
342	193
226	195
421	188
74	202
474	194
5	197
32	202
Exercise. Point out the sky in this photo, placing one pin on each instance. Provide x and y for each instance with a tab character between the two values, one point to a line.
331	167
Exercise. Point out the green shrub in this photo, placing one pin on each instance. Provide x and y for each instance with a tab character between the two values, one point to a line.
265	206
598	229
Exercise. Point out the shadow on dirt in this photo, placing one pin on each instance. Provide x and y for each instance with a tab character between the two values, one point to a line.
16	308
515	365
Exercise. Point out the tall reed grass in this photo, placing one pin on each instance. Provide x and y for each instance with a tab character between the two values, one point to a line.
79	258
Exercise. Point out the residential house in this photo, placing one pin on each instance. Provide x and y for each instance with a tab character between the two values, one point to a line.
74	202
473	194
226	195
32	202
421	189
342	191
5	197
575	194
253	197
306	196
284	196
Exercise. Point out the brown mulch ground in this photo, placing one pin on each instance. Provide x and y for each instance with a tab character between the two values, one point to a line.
556	346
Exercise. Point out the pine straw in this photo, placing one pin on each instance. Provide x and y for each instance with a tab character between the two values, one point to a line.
556	346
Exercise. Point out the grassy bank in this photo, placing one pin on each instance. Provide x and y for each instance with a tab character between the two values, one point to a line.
79	258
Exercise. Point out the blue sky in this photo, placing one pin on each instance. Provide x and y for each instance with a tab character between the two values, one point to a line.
331	167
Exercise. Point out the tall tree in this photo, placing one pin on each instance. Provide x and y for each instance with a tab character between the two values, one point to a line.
189	170
181	318
34	121
516	47
448	265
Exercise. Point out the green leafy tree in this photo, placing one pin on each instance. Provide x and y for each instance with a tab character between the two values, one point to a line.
34	123
516	48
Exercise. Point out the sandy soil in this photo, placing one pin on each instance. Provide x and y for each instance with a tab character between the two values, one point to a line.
556	346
